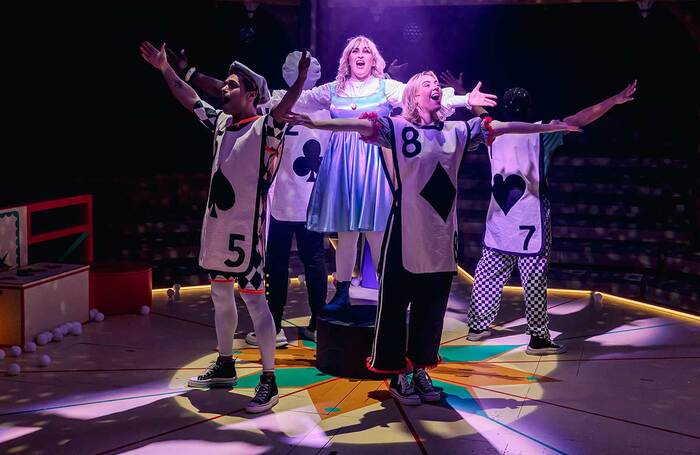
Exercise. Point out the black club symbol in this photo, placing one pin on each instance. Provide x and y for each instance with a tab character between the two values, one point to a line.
310	162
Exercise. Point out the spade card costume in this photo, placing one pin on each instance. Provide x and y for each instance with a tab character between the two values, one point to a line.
245	161
419	249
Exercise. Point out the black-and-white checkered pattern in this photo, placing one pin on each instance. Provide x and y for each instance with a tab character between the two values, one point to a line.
493	272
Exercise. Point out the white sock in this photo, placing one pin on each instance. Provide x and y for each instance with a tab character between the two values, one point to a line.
225	315
264	327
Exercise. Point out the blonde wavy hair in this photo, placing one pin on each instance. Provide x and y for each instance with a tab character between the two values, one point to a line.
344	63
409	104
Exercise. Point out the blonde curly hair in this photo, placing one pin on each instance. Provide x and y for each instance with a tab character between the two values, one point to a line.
409	104
344	62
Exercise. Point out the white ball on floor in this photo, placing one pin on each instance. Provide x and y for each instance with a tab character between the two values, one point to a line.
30	346
44	360
49	336
170	293
15	351
76	329
2	354
597	297
145	310
13	369
93	313
63	328
57	335
355	281
42	339
99	317
302	278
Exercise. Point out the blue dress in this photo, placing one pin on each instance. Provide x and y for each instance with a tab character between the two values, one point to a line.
351	192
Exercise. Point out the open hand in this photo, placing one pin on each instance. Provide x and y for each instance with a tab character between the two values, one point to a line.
457	83
626	95
298	119
396	69
156	57
304	63
178	61
476	98
565	126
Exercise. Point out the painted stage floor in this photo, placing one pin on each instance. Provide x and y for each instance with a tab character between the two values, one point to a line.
630	383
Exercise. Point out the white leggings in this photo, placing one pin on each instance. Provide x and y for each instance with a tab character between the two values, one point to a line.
226	320
347	252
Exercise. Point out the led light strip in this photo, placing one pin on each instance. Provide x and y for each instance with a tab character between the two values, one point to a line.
552	291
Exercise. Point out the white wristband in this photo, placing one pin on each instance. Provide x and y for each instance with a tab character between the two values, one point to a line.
189	73
466	102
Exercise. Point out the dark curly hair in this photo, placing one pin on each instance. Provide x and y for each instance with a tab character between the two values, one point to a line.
516	105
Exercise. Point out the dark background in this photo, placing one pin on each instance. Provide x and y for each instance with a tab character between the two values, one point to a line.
89	116
98	109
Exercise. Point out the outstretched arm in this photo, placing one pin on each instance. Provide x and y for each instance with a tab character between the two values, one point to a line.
157	58
500	128
208	85
593	113
362	126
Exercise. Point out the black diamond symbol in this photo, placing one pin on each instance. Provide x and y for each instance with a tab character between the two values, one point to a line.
256	281
440	192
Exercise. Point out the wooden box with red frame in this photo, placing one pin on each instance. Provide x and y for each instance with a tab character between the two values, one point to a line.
40	297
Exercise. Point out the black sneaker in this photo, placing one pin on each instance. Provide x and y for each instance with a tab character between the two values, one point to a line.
423	386
544	346
266	395
221	373
403	391
476	335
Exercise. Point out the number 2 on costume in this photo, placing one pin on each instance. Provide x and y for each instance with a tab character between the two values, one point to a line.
531	231
233	238
290	132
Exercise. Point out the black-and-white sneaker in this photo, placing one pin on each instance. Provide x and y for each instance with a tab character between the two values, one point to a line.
402	390
476	335
543	346
266	395
423	386
280	341
220	373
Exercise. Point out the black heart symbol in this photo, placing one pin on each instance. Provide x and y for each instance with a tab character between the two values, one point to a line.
507	193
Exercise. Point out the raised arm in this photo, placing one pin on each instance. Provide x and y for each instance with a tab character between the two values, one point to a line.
500	128
593	113
157	58
282	110
208	85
